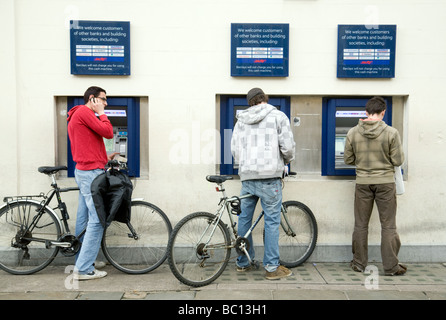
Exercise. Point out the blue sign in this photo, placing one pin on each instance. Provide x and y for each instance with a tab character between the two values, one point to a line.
100	47
366	51
259	50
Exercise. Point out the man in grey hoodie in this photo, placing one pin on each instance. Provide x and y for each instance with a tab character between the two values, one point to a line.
375	148
262	144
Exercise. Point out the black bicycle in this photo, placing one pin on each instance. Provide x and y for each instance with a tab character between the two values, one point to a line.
32	233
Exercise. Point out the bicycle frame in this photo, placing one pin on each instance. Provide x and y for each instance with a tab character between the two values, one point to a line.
224	204
45	204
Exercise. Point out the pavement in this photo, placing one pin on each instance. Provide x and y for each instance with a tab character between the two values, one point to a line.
310	281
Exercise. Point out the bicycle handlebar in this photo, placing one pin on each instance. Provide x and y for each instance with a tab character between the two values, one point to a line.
119	163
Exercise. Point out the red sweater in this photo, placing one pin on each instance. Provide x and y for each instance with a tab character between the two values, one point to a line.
86	132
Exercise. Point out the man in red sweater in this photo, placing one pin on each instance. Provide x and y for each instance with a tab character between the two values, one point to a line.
86	131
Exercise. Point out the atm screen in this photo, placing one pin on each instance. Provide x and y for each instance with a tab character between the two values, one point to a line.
348	117
117	115
339	146
109	145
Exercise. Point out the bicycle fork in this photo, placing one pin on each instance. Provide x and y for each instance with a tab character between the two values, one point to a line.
285	224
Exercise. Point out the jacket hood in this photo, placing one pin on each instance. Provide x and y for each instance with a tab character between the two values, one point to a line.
371	129
72	111
255	114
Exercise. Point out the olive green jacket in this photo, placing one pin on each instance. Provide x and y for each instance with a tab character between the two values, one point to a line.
375	149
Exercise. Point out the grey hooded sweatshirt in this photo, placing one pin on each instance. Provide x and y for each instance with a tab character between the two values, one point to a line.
375	149
262	142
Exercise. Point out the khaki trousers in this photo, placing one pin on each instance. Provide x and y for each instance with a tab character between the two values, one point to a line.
385	198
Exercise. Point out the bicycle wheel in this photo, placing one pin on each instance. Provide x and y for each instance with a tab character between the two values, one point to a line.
148	249
298	234
199	249
25	235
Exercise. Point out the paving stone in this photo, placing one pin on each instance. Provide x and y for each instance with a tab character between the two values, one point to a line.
100	296
171	296
38	295
234	295
309	294
386	295
436	295
134	295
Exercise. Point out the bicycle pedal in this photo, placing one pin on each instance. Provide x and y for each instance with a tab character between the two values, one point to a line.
255	265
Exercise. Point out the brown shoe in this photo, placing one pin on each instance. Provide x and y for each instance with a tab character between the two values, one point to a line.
401	270
279	273
355	267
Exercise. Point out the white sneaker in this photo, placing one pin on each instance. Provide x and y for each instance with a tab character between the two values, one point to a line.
99	264
95	274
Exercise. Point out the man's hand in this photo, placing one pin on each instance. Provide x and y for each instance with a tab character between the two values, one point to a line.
112	155
97	106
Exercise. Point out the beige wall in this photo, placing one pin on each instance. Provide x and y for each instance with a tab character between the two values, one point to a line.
180	53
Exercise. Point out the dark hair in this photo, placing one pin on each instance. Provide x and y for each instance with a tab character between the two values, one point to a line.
376	105
258	99
95	91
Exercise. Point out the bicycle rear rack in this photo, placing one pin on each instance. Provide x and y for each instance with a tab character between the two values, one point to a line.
10	199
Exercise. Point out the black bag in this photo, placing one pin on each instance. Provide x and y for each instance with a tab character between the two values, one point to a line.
112	197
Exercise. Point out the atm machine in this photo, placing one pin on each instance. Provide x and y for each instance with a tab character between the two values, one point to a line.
229	108
123	114
118	118
339	115
345	119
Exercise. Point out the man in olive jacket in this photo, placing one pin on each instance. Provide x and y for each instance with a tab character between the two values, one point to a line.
375	149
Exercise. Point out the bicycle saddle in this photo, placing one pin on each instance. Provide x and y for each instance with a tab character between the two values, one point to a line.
51	170
218	179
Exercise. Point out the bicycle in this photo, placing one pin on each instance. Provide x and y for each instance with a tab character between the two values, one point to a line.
200	246
32	233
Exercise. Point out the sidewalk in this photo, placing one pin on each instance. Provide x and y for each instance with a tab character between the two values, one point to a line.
311	281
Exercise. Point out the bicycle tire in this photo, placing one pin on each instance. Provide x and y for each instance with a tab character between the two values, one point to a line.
297	246
19	254
191	261
149	250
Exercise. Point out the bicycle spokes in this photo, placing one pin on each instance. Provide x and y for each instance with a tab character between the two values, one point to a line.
298	234
25	230
199	249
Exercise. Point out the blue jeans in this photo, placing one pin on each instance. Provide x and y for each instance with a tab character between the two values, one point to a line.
87	218
270	193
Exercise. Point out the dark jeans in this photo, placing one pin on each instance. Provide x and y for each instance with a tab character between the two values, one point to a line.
385	198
